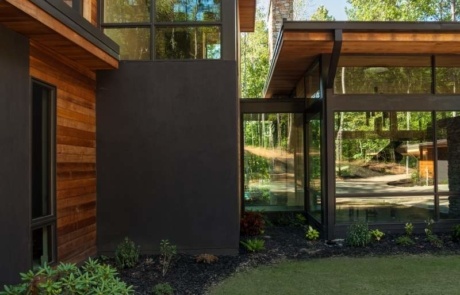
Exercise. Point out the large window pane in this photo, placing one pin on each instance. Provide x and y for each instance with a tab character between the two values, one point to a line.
187	10
382	80
448	161
447	80
187	43
384	209
134	42
41	152
383	152
126	11
273	162
314	168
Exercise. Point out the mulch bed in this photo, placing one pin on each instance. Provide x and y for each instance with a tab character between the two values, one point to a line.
187	276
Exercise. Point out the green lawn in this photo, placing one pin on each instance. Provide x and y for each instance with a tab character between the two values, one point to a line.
385	275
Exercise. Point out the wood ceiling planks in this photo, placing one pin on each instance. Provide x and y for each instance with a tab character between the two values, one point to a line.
247	15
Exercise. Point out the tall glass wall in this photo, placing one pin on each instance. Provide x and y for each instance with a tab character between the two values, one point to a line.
273	162
394	167
315	195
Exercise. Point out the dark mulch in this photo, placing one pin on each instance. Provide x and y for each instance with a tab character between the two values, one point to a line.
187	276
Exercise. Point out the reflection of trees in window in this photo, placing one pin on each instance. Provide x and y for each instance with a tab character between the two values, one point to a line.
187	10
125	11
134	42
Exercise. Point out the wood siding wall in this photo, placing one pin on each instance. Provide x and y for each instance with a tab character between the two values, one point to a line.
76	151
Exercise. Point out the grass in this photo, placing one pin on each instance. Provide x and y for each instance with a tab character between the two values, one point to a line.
425	274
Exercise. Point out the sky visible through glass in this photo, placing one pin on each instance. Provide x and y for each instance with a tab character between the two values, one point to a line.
336	7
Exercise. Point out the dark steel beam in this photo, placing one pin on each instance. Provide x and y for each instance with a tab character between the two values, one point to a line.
258	106
371	26
336	49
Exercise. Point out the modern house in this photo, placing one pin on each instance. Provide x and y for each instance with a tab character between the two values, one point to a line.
122	118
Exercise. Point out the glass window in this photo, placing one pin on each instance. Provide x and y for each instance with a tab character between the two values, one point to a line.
447	80
134	42
187	43
384	209
187	10
126	11
314	168
43	171
383	152
273	162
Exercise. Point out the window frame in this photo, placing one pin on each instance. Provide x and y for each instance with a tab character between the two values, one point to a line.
49	219
153	24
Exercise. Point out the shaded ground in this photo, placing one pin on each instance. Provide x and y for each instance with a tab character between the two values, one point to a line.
189	277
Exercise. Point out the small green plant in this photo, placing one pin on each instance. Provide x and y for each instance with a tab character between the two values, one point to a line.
300	219
162	289
405	241
456	233
312	234
254	245
429	227
167	253
126	254
358	235
377	234
67	278
435	241
409	229
252	224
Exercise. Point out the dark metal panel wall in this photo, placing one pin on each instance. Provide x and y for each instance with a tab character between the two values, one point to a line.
167	156
15	255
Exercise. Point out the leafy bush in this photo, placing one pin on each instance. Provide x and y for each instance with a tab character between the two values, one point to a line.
254	245
252	224
312	234
163	289
456	233
126	254
67	278
377	234
358	235
405	241
409	229
167	253
435	241
429	227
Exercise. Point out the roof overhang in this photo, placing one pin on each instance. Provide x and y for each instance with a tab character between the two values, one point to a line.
300	43
57	27
247	15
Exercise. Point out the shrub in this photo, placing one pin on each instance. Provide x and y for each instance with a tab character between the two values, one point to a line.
456	233
405	241
312	234
126	254
358	235
167	253
435	241
377	234
206	258
252	224
67	278
254	245
163	289
429	227
409	229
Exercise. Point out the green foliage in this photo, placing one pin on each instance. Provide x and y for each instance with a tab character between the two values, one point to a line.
322	13
66	278
126	254
429	227
254	245
377	234
162	289
252	224
312	234
167	253
435	241
254	58
358	235
456	233
409	229
405	241
300	219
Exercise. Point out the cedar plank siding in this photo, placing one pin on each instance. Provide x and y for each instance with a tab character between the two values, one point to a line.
75	151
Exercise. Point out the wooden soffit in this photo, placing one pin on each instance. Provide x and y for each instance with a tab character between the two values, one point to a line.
247	15
392	43
28	19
